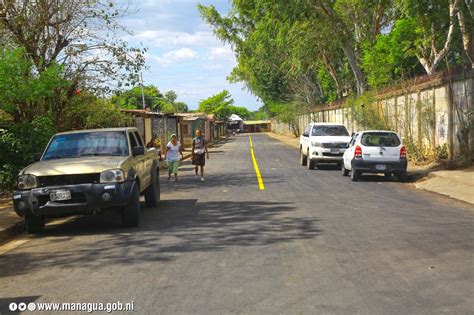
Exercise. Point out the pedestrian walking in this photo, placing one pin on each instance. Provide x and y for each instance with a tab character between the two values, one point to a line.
199	154
172	154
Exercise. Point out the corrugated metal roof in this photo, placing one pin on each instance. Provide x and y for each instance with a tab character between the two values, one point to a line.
256	122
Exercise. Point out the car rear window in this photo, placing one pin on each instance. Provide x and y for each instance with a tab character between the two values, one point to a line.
329	131
380	139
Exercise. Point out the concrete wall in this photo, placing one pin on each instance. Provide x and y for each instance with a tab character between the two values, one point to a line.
408	111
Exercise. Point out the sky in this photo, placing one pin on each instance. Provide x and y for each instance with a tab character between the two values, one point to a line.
183	54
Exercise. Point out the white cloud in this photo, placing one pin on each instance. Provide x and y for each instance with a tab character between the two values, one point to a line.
160	38
174	56
219	53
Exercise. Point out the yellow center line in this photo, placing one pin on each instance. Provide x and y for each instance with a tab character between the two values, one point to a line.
261	186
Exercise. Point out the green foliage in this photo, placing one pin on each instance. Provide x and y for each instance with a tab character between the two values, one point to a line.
242	112
87	111
218	105
154	99
26	93
365	112
393	55
18	143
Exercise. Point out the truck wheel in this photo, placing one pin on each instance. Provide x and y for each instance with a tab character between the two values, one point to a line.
344	170
33	224
355	175
303	158
131	212
152	193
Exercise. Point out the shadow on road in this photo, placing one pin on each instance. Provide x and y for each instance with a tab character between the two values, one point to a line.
175	228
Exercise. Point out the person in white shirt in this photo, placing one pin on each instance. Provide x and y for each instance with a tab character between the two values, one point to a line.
172	153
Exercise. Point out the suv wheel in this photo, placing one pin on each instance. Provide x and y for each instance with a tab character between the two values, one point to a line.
131	212
310	163
303	158
33	224
152	193
355	175
344	170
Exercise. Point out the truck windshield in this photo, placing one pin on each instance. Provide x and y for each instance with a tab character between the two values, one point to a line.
380	139
329	131
109	143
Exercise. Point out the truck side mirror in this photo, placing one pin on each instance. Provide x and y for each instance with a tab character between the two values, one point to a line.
305	134
37	157
138	151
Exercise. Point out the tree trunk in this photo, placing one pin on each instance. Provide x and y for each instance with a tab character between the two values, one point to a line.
338	27
430	62
466	35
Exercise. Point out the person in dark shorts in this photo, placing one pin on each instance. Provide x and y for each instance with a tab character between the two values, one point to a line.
199	154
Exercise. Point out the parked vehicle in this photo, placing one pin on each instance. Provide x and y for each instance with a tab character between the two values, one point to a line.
375	151
86	172
323	143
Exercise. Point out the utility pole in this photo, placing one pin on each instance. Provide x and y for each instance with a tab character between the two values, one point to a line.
143	93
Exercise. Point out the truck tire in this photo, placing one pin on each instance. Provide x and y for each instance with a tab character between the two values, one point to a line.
131	212
152	193
303	158
33	224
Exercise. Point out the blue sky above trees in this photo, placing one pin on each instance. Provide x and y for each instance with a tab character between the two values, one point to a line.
183	54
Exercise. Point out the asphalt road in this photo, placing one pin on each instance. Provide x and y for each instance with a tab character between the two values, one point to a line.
312	242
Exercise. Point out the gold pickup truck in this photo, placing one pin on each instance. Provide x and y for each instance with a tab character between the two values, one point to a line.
86	172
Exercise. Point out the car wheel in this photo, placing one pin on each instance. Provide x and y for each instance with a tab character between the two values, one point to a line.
303	158
402	177
344	170
131	212
152	193
33	224
355	175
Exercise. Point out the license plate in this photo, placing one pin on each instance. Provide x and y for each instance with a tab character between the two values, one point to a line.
59	195
380	167
334	150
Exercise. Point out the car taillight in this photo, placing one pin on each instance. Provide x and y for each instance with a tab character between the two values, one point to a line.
403	152
358	152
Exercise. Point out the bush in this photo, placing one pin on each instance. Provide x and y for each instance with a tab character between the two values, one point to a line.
18	143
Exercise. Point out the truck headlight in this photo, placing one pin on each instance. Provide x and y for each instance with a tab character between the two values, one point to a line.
316	144
27	181
112	176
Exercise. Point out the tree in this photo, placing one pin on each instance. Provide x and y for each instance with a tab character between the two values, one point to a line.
171	96
242	112
217	105
392	56
26	93
435	29
132	99
83	36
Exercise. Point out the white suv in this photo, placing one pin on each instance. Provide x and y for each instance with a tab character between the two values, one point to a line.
375	151
323	142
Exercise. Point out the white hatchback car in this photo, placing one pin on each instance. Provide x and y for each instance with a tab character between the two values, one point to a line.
375	151
323	143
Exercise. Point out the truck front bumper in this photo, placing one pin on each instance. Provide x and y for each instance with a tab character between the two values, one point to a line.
326	155
85	199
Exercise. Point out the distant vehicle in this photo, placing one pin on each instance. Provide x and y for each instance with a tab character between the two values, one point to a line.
323	143
86	172
375	151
